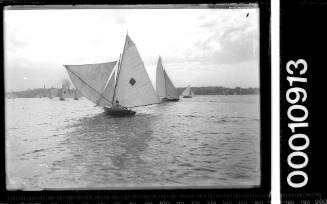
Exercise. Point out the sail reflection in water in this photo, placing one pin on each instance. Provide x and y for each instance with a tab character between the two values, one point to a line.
111	154
202	141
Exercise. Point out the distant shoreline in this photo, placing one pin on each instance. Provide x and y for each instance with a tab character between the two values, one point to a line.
208	90
219	90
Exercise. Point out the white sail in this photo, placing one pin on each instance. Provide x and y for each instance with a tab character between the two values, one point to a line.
91	79
108	91
187	92
171	90
164	86
160	80
133	87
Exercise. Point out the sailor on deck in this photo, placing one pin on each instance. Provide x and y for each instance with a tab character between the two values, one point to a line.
117	105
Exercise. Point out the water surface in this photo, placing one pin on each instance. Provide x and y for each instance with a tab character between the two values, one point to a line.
205	141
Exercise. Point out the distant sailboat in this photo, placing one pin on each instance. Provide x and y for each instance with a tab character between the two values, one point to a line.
11	95
63	93
75	95
50	94
116	86
188	93
164	87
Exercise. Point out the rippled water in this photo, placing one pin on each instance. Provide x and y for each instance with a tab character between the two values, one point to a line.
203	141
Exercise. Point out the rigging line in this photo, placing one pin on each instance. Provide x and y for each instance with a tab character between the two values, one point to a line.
88	84
143	105
111	75
117	74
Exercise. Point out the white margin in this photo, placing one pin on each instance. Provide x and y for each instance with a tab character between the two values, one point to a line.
275	99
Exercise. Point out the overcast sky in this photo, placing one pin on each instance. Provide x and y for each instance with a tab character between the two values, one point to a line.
199	47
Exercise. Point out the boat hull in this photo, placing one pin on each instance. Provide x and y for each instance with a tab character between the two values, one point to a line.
169	99
187	96
119	112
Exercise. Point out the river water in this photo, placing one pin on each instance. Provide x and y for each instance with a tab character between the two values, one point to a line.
204	141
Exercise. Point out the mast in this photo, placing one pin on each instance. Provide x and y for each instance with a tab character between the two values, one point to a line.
118	70
119	67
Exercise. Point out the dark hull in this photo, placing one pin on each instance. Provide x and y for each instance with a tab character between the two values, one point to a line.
169	99
187	96
119	112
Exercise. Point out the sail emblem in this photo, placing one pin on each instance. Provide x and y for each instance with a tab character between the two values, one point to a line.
132	81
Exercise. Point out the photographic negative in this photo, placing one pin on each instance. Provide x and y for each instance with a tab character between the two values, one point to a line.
133	98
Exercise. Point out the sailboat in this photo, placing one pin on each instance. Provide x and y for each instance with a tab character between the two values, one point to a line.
164	87
50	95
75	95
188	93
116	86
63	93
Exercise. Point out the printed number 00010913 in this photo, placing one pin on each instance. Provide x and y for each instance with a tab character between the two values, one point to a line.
296	96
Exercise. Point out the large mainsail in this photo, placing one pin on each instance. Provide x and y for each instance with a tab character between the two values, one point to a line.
164	86
133	86
91	80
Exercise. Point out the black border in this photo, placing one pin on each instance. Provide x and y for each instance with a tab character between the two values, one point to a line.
303	35
261	193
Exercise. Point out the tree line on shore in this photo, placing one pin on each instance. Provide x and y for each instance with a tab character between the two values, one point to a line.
37	93
219	90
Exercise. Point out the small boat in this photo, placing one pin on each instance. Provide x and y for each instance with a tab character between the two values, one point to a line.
116	86
188	93
164	86
51	94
